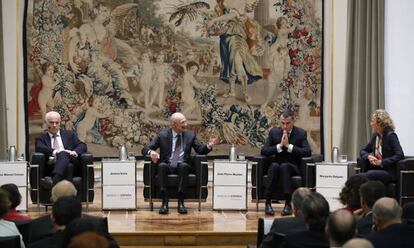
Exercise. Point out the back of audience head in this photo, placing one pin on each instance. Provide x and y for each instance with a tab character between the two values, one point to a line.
79	226
408	213
63	188
349	195
358	243
386	211
297	198
370	192
315	211
88	240
4	203
65	210
341	227
14	195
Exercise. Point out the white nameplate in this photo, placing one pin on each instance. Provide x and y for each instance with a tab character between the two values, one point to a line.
230	197
16	173
118	173
331	175
230	173
118	197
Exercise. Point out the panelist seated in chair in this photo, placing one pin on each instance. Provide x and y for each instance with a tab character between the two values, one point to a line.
381	154
62	147
288	144
175	148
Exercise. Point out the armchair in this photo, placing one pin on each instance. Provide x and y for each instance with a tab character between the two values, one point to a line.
197	181
259	176
83	178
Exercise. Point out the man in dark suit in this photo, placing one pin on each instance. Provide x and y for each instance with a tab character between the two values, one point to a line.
390	232
383	151
175	149
315	210
288	144
62	147
369	193
291	224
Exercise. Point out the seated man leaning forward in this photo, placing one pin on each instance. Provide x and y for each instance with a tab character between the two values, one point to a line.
62	147
175	148
288	144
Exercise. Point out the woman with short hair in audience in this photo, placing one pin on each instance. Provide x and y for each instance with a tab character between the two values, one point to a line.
381	154
15	198
7	228
349	195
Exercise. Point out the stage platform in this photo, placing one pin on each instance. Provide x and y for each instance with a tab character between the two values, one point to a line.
205	228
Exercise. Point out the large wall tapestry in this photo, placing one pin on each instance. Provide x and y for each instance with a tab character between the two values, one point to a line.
117	69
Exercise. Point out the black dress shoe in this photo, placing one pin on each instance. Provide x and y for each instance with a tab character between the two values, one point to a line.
181	208
287	210
163	208
269	209
46	183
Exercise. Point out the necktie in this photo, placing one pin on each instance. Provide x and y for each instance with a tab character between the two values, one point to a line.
55	143
176	154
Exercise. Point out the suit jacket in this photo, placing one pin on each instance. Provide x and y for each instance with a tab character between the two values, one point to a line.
391	152
69	139
306	239
285	226
41	227
397	235
163	141
364	225
297	138
53	241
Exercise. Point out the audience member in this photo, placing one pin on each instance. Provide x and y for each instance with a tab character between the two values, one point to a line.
369	192
288	144
83	225
42	227
7	228
63	146
15	198
291	224
175	146
408	213
390	232
383	151
64	210
340	228
88	240
315	211
349	195
358	243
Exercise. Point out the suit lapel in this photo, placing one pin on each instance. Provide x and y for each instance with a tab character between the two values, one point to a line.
63	136
47	139
169	140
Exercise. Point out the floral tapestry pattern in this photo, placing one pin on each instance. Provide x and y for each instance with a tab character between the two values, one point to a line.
117	69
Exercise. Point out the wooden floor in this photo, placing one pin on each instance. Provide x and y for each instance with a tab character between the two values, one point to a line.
205	228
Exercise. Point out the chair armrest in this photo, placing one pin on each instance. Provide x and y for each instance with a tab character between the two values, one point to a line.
86	159
199	163
308	174
39	159
258	170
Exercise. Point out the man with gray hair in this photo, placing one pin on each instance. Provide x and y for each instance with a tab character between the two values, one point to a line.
63	188
340	227
390	232
288	225
358	243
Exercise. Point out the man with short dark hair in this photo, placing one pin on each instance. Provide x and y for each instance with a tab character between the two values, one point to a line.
288	144
340	228
390	232
64	210
315	210
369	193
291	224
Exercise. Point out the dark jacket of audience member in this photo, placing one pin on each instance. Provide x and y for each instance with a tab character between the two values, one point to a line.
315	211
15	198
64	210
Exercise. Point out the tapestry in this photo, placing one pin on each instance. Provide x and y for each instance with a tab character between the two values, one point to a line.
117	69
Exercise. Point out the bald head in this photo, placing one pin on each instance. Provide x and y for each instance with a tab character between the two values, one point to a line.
340	227
386	212
297	197
358	243
63	188
178	122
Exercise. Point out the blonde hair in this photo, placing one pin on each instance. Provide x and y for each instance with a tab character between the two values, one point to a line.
383	119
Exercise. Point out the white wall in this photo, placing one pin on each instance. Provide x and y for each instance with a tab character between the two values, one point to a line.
13	64
334	71
399	68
